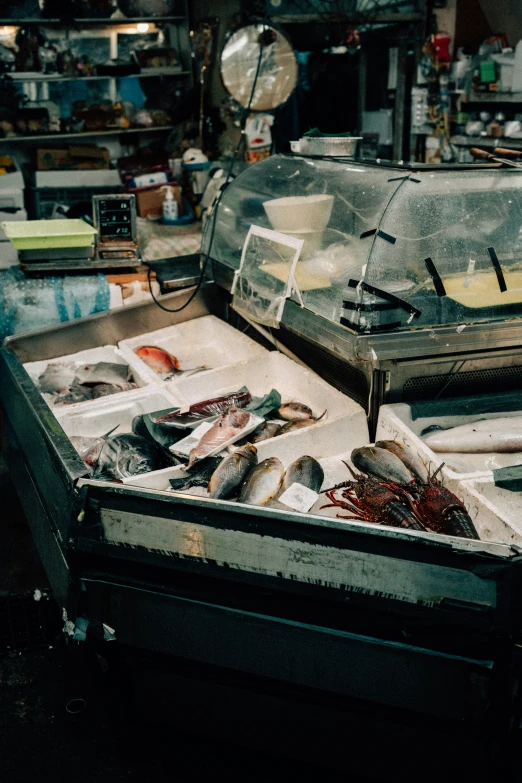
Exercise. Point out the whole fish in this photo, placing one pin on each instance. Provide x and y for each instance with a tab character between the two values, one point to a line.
502	435
406	455
262	483
229	475
77	392
305	470
298	424
199	476
205	409
56	378
228	426
381	464
295	411
102	372
159	360
128	455
104	389
269	429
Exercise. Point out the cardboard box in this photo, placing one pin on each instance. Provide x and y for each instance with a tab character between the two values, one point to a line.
73	157
149	201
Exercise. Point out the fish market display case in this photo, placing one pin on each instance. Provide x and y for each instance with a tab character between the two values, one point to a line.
411	278
262	624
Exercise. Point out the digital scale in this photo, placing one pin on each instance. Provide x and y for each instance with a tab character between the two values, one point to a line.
116	243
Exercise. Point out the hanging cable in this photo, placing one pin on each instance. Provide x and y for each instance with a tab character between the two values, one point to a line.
213	216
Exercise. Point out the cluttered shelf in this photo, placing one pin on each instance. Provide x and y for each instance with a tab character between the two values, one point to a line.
494	97
59	77
109	132
485	141
93	20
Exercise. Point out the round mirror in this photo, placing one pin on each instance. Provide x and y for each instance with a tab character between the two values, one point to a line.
277	75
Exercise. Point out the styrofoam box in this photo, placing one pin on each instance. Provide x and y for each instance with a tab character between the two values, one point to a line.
8	255
343	428
207	341
98	417
78	178
11	198
105	353
496	512
396	423
20	214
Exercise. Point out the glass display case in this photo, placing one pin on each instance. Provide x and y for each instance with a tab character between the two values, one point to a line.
386	247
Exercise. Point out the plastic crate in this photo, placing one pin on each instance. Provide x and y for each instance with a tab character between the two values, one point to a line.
42	200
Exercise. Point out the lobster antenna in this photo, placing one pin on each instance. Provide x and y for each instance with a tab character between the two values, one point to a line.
438	470
349	468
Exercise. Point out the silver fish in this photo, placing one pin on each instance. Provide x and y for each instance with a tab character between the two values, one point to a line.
298	424
265	431
305	470
56	378
229	424
232	471
262	483
129	455
102	372
295	411
406	455
503	434
382	464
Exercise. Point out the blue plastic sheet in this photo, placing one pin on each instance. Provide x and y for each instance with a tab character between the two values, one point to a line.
28	304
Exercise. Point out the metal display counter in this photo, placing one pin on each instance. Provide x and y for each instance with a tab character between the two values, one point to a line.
323	638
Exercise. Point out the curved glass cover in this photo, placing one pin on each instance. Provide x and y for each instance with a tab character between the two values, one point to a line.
386	248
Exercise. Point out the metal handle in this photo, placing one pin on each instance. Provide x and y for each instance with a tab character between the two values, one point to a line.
483	154
507	153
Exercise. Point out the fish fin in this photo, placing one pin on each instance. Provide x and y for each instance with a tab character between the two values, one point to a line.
108	434
322	414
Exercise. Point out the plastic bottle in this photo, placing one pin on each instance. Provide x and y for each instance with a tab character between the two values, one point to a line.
516	84
170	205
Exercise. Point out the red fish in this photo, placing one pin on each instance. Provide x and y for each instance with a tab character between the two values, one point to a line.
162	362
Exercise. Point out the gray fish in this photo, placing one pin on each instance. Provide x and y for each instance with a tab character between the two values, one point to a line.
229	475
128	455
104	389
382	464
262	483
56	378
269	429
199	476
102	372
298	424
295	411
76	393
305	470
406	455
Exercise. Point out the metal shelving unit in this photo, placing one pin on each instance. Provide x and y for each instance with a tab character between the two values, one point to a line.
59	77
108	132
485	141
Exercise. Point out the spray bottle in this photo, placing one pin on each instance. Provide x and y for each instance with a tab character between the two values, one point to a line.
170	205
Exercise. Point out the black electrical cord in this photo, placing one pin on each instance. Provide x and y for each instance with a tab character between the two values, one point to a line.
218	200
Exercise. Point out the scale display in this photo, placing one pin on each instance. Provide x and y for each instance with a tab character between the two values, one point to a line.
115	219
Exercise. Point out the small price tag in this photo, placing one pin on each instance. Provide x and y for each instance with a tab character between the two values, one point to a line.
299	497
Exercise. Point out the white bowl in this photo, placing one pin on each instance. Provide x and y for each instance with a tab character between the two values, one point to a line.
299	213
312	240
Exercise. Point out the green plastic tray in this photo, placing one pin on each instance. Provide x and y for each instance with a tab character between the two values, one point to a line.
48	234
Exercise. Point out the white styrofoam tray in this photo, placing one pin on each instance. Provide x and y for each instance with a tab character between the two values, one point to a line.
207	341
396	423
105	353
98	417
496	512
343	428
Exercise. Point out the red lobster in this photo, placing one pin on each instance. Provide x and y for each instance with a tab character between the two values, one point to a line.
370	500
423	506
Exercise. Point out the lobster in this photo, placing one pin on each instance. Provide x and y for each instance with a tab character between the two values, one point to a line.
370	500
427	506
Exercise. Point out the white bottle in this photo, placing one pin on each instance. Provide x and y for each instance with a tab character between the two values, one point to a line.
516	85
170	205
